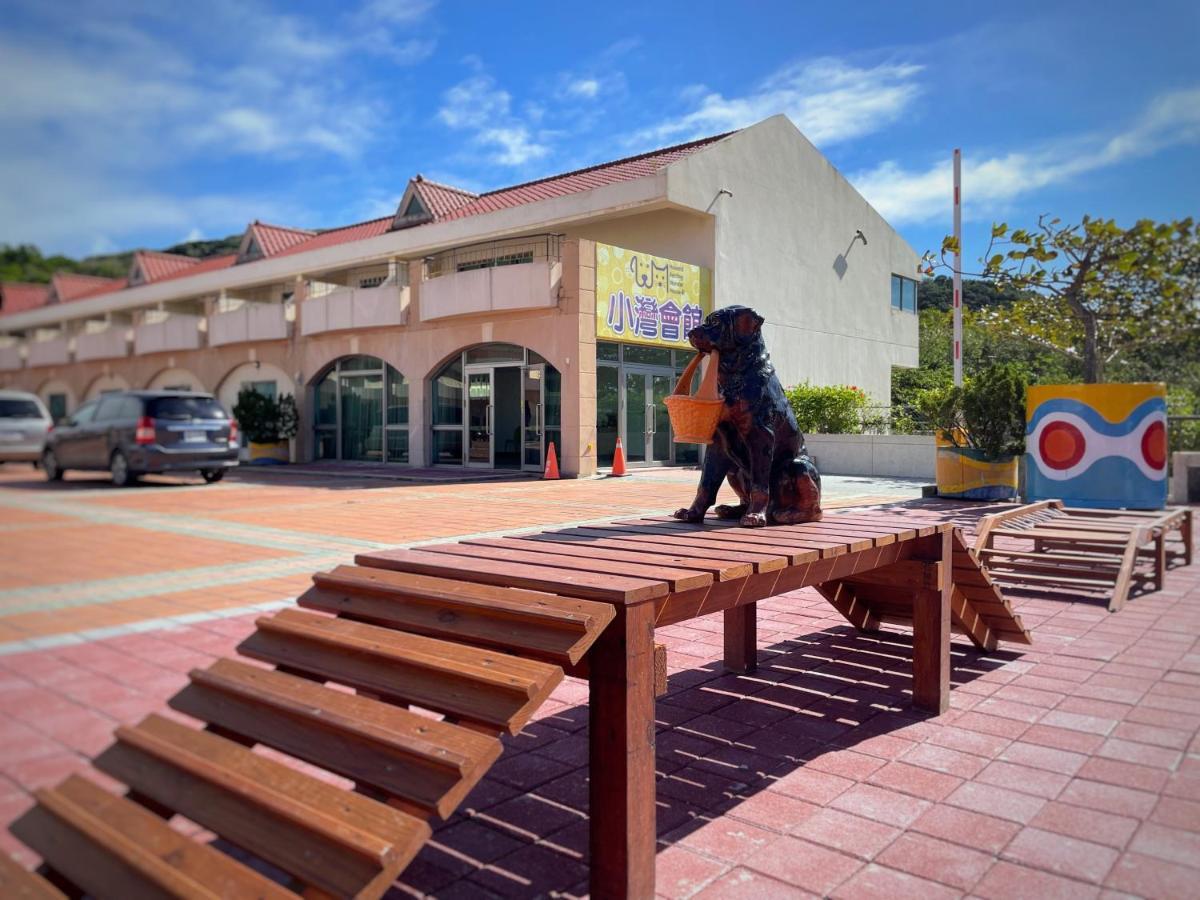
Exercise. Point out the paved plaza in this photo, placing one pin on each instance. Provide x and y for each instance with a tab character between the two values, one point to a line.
1070	768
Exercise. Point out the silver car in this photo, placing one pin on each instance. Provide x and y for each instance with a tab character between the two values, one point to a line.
24	424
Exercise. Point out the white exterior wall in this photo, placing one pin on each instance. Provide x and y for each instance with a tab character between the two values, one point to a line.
777	239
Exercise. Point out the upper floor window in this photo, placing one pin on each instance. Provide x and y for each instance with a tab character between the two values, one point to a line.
904	293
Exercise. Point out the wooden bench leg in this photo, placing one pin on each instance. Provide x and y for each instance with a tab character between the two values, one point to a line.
1185	528
741	638
931	638
621	756
1160	561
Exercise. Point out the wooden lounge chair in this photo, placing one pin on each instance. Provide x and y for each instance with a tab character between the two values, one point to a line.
1048	544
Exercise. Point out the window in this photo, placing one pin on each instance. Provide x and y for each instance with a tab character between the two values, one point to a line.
109	408
371	281
904	294
84	414
58	406
184	409
15	408
267	388
362	412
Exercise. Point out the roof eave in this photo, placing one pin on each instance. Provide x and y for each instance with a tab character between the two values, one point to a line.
425	240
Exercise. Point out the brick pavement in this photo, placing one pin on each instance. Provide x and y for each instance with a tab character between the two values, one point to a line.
1071	768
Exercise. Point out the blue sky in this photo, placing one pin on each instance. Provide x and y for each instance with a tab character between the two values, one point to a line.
131	123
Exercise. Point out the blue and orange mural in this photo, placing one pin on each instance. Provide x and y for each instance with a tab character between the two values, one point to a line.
1097	445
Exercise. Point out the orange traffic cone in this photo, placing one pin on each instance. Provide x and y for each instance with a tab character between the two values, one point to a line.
551	464
618	466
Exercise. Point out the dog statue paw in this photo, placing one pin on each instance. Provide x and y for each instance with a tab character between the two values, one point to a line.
757	448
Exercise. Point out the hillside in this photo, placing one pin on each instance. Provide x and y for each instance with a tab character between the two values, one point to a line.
25	262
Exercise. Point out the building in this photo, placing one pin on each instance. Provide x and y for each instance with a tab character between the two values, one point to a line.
476	329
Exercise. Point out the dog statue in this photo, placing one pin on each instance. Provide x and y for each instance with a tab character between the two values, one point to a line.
757	445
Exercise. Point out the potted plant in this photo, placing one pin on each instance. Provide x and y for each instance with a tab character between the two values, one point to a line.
289	423
258	416
981	433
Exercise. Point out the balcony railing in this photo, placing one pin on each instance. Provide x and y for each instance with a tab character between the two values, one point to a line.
249	322
55	351
495	254
502	276
106	343
346	307
176	332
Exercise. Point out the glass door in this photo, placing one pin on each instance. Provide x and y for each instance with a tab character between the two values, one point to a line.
362	417
660	434
533	402
479	417
637	429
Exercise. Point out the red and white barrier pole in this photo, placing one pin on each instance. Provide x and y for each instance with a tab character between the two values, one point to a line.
958	335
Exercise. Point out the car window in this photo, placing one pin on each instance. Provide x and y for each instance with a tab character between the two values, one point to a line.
131	408
16	408
185	408
109	408
84	414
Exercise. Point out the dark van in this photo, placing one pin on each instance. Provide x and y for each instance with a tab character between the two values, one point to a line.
132	433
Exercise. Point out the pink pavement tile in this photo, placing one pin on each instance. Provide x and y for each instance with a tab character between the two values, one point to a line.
1141	754
915	780
1086	824
846	832
1109	798
812	786
725	839
997	801
1178	845
970	829
772	810
1148	876
846	764
1062	855
926	857
805	865
1051	759
1026	779
1125	774
874	882
746	884
46	771
680	873
1177	813
1079	722
881	805
1173	738
1185	786
966	741
945	760
1005	881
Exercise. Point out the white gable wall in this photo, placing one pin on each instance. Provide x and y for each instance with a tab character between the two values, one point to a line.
777	238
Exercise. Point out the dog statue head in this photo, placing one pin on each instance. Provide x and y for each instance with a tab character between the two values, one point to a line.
728	330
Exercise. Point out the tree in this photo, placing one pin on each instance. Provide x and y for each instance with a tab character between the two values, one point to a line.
938	293
1102	295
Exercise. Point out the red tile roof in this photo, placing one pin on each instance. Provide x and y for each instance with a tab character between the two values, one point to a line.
19	296
344	235
207	264
68	286
274	239
156	265
441	199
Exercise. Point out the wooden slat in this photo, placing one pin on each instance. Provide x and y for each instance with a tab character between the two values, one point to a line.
18	883
994	553
776	535
761	538
330	838
764	558
720	569
676	579
728	565
428	764
111	847
1087	537
558	629
1018	578
589	585
462	682
845	599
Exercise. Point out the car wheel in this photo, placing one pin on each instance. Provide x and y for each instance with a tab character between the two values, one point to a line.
119	467
50	466
211	476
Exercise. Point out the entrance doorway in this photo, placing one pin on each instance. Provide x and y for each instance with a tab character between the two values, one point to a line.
361	408
497	406
631	384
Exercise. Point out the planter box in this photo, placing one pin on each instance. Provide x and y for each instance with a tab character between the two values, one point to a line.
963	474
874	455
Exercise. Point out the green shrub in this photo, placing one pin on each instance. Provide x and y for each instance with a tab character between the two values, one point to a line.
258	416
986	413
289	417
834	409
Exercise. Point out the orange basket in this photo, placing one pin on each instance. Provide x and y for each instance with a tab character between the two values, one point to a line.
694	419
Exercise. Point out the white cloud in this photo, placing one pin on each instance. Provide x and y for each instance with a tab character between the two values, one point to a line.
915	195
584	87
828	99
479	105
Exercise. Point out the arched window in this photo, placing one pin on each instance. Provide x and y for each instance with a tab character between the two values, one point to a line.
361	406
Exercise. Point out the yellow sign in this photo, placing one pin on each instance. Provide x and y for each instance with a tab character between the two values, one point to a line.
644	299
